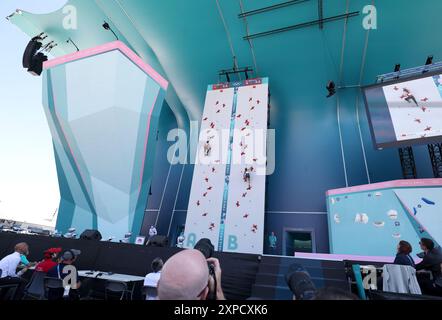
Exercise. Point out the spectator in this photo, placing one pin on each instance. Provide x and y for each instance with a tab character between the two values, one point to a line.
152	232
185	276
49	260
403	254
431	261
8	269
272	242
180	240
68	258
151	279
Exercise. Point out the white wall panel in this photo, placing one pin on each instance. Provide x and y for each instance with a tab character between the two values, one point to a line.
206	195
244	223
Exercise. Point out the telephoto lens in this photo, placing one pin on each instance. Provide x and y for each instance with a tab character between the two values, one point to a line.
300	283
206	247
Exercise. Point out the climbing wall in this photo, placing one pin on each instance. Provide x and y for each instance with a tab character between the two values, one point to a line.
222	206
377	216
423	207
244	222
206	195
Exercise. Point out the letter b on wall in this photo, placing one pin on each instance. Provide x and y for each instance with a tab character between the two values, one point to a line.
191	240
233	243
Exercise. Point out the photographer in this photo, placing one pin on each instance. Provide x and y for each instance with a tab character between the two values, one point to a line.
216	280
186	276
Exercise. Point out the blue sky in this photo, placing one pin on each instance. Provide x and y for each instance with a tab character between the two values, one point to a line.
28	180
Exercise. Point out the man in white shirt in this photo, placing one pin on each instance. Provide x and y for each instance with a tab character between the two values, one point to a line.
180	240
151	279
8	269
152	232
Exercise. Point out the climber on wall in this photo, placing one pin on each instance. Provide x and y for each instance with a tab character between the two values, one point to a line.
207	148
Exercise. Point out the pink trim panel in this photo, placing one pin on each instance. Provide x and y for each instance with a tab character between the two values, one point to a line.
387	185
115	45
342	257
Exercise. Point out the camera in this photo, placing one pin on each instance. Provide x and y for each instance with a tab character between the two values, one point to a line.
300	283
206	247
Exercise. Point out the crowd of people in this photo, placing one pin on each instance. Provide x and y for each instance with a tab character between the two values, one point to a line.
431	283
187	275
184	276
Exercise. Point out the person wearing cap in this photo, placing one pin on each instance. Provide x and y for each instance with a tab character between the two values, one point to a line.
8	269
67	258
49	260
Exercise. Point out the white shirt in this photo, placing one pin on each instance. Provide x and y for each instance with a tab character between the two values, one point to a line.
180	241
9	265
151	279
152	232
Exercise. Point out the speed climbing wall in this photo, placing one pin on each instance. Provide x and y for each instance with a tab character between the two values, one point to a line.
206	195
245	207
224	206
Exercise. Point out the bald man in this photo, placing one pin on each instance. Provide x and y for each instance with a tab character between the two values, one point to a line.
185	276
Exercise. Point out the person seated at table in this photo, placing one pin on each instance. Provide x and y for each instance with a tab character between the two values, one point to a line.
151	279
431	261
403	254
8	269
185	276
50	257
68	258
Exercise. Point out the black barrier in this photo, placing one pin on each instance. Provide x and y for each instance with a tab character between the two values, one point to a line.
239	270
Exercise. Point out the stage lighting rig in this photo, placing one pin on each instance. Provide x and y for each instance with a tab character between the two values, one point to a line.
397	69
428	62
49	46
33	58
235	71
106	26
331	88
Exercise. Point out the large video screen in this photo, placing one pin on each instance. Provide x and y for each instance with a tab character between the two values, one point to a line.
405	112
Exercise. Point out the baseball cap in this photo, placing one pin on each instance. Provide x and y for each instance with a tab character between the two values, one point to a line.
51	251
70	254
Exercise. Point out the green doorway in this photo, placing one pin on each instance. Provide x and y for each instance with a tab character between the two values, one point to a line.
298	240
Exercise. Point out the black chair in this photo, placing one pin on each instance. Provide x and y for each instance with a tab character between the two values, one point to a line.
150	292
53	288
115	288
36	286
10	289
